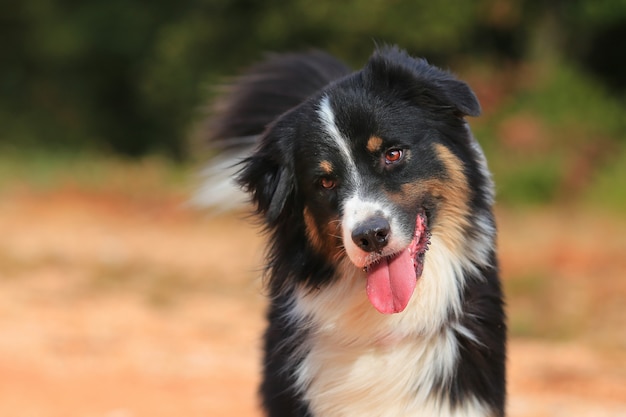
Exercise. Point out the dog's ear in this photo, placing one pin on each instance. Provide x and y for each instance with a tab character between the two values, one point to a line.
268	174
416	80
461	96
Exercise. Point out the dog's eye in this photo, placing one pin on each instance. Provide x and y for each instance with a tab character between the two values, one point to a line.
393	156
328	183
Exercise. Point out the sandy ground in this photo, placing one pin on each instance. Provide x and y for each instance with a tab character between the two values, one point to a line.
117	306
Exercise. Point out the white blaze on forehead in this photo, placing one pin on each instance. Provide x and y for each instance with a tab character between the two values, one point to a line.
358	208
336	138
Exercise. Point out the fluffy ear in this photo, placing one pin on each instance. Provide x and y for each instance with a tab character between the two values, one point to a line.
461	97
268	174
415	80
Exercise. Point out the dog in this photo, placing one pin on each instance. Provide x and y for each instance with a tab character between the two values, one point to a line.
382	274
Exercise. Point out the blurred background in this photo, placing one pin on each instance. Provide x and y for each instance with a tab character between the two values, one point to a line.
118	299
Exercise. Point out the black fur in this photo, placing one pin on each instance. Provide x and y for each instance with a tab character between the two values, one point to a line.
269	89
481	369
278	392
278	101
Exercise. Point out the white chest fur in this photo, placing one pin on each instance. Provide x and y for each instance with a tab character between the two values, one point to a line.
362	363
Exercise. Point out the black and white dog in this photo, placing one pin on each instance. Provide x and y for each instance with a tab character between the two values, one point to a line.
381	266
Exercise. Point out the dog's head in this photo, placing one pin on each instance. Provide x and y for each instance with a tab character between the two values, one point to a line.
367	170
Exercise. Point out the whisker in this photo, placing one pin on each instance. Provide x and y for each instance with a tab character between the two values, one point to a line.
341	253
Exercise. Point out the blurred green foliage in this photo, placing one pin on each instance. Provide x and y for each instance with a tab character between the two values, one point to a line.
558	140
132	77
46	170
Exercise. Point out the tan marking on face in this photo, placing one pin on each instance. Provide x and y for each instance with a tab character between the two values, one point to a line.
326	166
452	192
324	239
374	144
311	230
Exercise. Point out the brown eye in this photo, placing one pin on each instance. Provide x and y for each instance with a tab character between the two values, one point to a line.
393	155
328	183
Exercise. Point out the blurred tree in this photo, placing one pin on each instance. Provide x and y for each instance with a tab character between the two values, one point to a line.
130	76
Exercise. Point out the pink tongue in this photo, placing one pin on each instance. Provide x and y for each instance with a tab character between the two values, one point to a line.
391	282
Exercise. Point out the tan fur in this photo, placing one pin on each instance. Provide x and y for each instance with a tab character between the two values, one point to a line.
374	144
324	238
452	191
455	191
326	166
311	230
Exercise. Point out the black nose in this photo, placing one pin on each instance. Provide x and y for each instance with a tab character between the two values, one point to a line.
372	235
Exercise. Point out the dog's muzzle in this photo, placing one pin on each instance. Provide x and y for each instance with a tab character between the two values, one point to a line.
372	235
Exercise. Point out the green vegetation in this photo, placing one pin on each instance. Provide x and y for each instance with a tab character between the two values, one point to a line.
79	81
44	170
561	139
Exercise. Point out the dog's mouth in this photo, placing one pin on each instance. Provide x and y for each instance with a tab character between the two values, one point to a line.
391	279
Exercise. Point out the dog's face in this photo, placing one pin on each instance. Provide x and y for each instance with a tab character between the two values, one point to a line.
367	170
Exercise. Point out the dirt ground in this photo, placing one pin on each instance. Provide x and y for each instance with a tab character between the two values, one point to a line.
118	306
